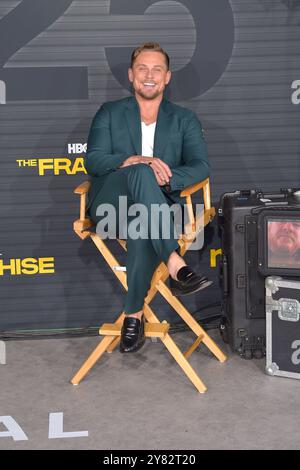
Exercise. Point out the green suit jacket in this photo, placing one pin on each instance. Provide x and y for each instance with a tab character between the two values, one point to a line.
116	134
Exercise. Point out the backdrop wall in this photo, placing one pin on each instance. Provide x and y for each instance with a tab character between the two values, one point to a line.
236	64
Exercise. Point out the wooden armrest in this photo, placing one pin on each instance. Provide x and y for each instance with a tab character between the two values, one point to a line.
208	210
83	188
193	188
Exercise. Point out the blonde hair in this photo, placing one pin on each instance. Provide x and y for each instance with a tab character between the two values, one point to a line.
149	46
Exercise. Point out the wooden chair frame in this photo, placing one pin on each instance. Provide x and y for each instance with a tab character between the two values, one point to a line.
153	327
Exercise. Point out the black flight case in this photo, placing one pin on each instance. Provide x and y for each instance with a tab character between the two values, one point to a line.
242	283
283	327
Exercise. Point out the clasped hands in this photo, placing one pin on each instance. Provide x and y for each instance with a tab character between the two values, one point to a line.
161	170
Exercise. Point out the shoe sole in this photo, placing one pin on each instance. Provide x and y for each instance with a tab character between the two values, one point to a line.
202	286
135	349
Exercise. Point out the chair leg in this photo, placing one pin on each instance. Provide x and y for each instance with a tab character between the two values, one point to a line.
113	345
176	353
92	359
183	363
190	321
107	343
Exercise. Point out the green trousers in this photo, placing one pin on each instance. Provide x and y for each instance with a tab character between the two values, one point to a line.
139	184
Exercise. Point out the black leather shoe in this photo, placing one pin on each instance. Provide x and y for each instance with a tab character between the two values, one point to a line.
132	334
188	282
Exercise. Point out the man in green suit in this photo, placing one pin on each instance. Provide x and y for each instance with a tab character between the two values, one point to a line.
147	149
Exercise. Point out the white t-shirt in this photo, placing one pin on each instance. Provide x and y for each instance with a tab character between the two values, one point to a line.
148	139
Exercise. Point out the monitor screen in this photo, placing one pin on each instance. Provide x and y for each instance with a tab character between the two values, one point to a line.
283	242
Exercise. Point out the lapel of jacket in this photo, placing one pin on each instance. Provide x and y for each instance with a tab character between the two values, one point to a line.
162	130
133	119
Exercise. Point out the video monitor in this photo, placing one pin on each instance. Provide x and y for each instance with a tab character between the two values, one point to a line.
283	243
279	243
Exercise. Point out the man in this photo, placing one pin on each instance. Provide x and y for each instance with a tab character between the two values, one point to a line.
284	243
147	149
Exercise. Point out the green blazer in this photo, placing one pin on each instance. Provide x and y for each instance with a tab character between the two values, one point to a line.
116	134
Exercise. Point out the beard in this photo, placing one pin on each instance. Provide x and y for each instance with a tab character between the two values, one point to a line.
286	244
149	96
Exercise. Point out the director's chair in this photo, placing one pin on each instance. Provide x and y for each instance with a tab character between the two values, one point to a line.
153	327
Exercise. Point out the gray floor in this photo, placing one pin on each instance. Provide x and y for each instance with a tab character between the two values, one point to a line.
144	401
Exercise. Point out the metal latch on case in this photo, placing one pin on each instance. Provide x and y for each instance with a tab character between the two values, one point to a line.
288	309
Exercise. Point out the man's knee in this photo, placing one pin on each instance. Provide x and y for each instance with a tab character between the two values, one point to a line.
141	170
